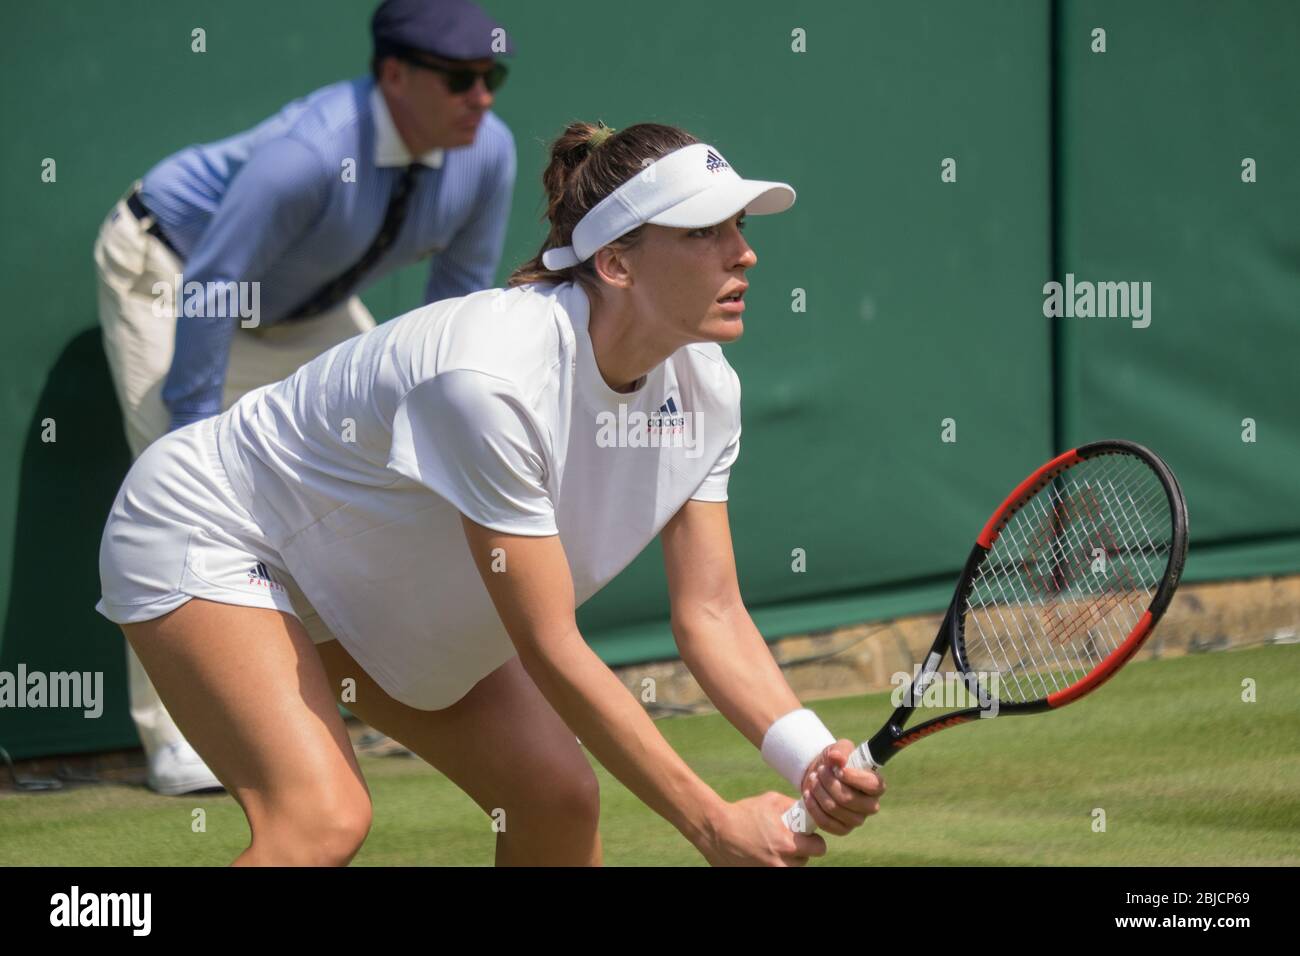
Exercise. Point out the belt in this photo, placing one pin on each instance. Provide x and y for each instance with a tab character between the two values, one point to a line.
137	207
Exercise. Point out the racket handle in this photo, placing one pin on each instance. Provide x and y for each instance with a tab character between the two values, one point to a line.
798	819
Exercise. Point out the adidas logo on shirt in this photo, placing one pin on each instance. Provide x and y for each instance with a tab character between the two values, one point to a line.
667	417
713	162
667	427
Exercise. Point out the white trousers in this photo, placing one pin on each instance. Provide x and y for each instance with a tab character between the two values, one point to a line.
139	346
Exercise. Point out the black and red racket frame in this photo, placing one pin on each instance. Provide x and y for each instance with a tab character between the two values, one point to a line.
892	737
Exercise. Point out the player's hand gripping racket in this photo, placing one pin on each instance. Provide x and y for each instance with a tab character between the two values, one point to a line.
1065	582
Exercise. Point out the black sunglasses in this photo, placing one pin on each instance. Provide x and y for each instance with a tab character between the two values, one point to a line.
460	79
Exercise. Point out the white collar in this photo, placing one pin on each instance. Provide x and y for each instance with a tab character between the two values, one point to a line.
389	148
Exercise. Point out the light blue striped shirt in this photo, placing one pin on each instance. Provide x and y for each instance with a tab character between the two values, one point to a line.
295	201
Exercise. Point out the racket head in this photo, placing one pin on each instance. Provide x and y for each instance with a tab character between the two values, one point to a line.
1070	576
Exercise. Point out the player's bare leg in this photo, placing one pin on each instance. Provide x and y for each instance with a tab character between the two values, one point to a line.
248	691
505	746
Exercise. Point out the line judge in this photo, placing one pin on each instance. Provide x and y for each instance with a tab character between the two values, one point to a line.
336	190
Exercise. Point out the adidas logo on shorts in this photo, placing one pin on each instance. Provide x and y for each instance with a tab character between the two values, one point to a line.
260	576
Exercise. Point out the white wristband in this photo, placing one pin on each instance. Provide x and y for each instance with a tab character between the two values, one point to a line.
792	742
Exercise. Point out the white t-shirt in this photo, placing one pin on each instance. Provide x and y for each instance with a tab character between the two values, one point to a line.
358	466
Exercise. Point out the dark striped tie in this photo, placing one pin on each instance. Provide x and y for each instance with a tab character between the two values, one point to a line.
339	288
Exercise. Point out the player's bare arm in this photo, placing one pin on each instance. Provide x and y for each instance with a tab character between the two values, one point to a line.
725	652
534	596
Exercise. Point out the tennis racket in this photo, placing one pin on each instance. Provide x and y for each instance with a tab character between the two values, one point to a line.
1066	581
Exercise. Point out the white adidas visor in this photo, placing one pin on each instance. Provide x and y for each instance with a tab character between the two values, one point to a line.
689	188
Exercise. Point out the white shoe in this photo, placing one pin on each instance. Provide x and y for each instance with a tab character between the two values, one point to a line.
177	769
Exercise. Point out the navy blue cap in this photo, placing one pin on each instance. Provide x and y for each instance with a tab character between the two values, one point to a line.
451	29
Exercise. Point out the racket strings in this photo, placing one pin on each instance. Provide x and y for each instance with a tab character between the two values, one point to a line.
1063	539
1063	536
1069	577
1035	659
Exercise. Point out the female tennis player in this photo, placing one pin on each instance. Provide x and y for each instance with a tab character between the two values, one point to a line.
407	523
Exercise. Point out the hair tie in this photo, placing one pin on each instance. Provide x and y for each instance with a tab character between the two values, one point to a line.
598	137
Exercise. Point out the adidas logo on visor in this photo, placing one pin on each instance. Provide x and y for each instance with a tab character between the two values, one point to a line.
713	162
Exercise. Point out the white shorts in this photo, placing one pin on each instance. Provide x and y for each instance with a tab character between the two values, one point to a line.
177	531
